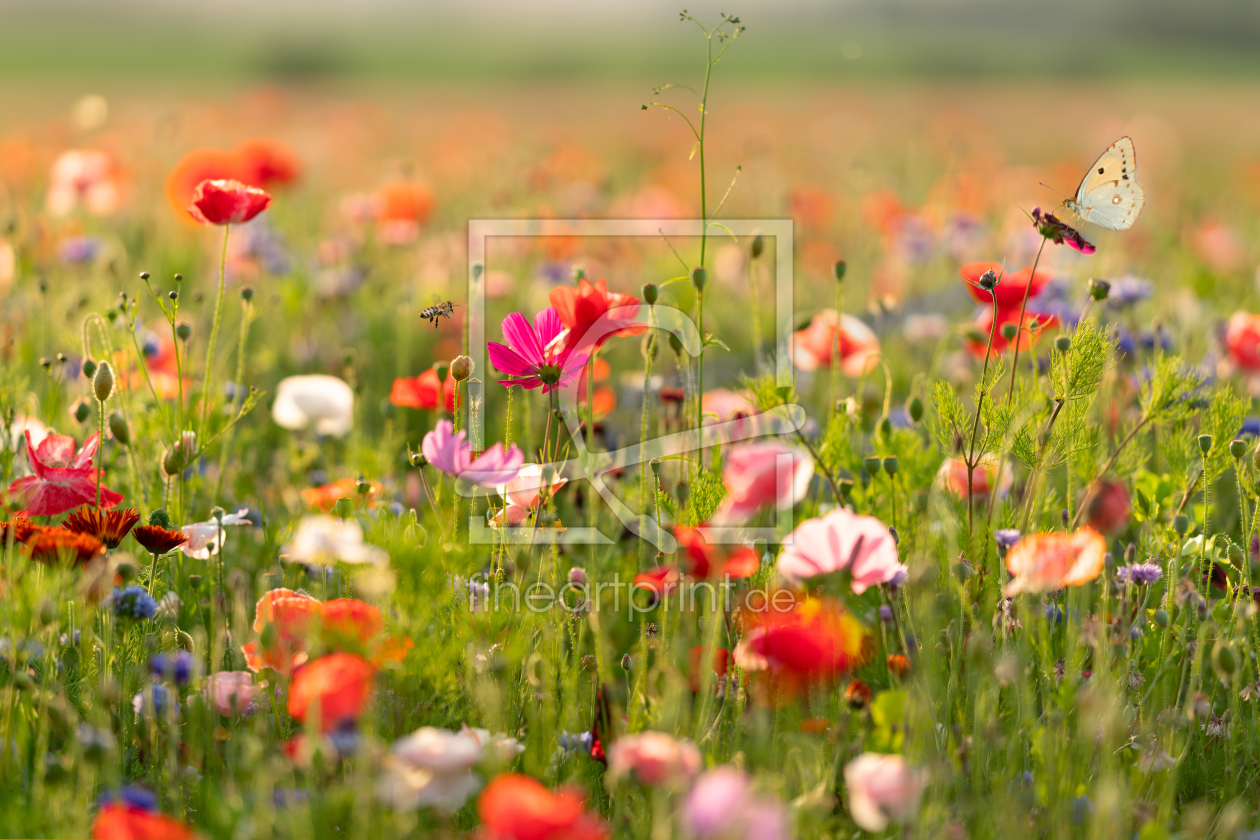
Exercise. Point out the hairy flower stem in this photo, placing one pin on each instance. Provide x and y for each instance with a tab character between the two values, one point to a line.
236	397
206	389
971	459
643	427
1019	325
835	356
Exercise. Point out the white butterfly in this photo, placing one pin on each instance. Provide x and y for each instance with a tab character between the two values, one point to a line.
1110	196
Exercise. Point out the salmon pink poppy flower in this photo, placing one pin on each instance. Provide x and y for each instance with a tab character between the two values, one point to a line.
517	807
952	477
84	176
653	759
119	821
292	617
812	347
63	479
1242	340
336	688
451	454
523	493
326	496
757	475
1043	562
227	202
703	560
843	540
425	392
537	354
581	307
231	693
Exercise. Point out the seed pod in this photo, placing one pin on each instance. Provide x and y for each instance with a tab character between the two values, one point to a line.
1063	343
103	382
872	464
118	428
1205	444
1237	448
1161	618
183	331
840	269
890	465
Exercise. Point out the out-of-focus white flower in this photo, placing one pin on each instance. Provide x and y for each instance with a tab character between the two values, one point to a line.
325	403
433	768
205	538
321	540
23	424
882	789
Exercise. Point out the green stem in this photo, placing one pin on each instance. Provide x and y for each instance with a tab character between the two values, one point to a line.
206	389
240	383
1019	325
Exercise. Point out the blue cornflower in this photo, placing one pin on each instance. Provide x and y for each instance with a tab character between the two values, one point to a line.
1006	537
131	795
1143	574
132	602
176	666
1128	291
156	697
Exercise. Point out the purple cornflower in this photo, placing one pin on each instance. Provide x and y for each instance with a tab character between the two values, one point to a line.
1052	228
132	602
1143	574
1129	290
132	796
537	354
1006	537
175	666
451	454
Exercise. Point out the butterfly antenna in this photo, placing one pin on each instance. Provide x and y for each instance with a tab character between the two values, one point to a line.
1053	190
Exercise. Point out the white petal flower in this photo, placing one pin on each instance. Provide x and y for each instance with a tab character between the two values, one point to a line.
321	540
325	403
205	538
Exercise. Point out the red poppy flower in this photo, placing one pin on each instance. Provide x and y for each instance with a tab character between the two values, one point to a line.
719	663
108	526
1005	305
263	161
116	821
404	201
517	807
425	392
334	687
1107	507
812	643
197	166
858	694
898	664
1242	340
227	202
158	540
658	580
580	308
62	479
349	622
703	560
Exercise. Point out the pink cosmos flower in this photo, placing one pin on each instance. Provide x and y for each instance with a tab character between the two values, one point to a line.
761	474
451	454
654	759
536	354
882	789
231	692
843	540
62	479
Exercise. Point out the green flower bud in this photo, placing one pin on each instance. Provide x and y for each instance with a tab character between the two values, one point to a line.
247	294
1181	524
649	294
89	368
1224	658
699	277
1237	448
914	409
343	508
1161	618
1099	289
103	381
82	411
183	331
1008	331
758	246
988	281
1063	343
890	465
118	428
840	269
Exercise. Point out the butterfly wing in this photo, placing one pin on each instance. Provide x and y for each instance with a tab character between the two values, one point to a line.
1109	195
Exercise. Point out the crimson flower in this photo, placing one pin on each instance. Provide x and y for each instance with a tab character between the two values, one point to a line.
336	687
579	308
703	560
538	354
63	480
517	807
227	202
1005	303
425	392
119	821
814	642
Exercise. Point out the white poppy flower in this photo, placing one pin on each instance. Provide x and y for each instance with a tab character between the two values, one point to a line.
323	402
321	540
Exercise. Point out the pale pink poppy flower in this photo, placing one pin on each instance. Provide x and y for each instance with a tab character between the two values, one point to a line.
724	404
231	692
522	494
813	346
721	805
757	475
451	454
83	176
882	789
842	540
653	759
8	265
205	538
434	768
1044	562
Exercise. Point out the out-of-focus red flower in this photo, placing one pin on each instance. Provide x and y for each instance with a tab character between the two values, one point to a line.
116	821
581	307
658	580
425	392
857	694
953	477
50	544
812	206
898	664
517	807
812	643
1033	325
1005	304
404	201
349	622
1107	507
157	539
719	663
288	617
63	480
193	168
813	347
1009	291
334	687
605	400
882	210
227	202
1242	340
1042	562
263	162
325	496
702	560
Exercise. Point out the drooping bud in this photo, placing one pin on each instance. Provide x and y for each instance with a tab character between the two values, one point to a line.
103	382
247	294
118	428
675	344
461	368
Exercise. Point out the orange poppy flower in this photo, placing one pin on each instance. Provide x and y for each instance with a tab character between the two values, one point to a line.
1043	562
193	168
264	162
517	807
581	307
52	545
290	617
349	622
703	560
425	392
325	496
334	687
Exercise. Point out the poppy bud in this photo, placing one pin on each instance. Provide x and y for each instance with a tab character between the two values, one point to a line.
675	344
649	294
118	428
461	368
988	281
1160	618
144	275
1181	524
1063	343
103	382
577	576
890	465
173	295
1008	331
247	294
1237	448
758	246
914	409
699	277
1223	657
1099	289
89	368
626	663
846	487
655	464
885	427
82	411
194	581
173	461
1205	444
840	269
183	331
